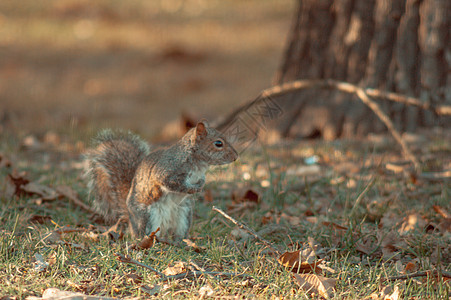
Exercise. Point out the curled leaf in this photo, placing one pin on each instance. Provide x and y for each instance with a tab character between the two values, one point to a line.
299	264
312	283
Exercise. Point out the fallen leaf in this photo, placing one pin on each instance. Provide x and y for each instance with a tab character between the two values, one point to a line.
410	267
334	225
312	283
412	222
388	293
441	211
14	185
148	241
33	188
247	195
39	219
367	247
298	263
390	243
191	245
70	194
177	268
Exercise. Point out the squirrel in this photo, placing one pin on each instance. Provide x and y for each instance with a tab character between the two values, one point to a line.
153	188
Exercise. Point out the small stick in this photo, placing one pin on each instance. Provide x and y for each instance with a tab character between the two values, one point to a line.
362	93
420	274
128	260
360	197
242	226
386	120
199	273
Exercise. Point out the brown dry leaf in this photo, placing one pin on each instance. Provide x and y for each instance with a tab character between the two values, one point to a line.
410	267
299	263
14	185
391	243
146	243
69	193
33	188
316	284
247	195
366	246
441	211
193	246
334	225
149	240
177	268
39	219
412	222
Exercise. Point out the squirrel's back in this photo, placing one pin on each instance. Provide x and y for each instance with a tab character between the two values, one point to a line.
112	163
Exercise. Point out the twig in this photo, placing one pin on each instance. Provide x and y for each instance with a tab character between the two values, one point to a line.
362	93
436	175
245	227
360	197
420	274
128	260
296	85
193	273
73	197
386	120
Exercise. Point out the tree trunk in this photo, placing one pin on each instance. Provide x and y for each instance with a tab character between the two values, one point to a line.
401	46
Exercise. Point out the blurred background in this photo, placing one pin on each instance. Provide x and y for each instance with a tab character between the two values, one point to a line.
80	64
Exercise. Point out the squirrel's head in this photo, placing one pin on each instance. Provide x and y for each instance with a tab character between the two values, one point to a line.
211	146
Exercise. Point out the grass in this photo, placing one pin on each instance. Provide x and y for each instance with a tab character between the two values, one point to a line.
293	206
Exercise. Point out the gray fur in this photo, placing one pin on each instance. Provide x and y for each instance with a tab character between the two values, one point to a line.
153	189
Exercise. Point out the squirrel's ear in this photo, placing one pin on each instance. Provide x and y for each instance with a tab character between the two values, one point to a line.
201	129
205	122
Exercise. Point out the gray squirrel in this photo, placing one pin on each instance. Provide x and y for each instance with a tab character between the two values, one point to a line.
153	188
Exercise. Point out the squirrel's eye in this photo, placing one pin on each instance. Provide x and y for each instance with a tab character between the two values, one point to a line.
218	143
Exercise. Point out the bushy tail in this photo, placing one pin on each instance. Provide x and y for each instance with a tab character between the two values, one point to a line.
112	163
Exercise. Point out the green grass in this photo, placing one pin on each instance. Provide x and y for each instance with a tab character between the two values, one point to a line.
90	266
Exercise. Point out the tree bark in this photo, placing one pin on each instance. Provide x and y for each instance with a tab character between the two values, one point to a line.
400	46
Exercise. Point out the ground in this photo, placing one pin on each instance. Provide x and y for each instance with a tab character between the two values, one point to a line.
353	214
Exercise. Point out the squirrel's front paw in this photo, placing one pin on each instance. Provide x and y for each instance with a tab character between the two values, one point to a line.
196	187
